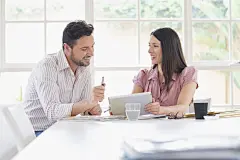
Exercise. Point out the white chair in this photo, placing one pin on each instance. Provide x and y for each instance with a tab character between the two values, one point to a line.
20	125
8	147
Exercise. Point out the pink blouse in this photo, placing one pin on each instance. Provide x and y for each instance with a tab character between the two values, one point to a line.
148	80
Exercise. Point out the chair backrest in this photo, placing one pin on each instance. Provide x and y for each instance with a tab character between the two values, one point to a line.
20	125
8	146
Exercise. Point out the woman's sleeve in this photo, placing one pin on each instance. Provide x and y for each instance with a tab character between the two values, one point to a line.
189	74
141	78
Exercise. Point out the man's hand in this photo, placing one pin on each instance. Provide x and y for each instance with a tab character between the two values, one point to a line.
98	93
96	110
83	106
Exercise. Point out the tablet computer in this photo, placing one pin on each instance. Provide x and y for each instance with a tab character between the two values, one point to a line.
117	103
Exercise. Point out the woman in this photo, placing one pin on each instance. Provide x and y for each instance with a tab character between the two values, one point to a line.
170	81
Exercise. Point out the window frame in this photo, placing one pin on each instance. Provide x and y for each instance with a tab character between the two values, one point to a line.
18	67
187	21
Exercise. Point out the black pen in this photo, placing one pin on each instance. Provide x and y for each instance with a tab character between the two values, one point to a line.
103	84
106	110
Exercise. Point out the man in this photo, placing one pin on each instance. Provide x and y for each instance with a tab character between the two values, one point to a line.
60	85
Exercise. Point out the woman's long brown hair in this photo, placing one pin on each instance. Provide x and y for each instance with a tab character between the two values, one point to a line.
173	60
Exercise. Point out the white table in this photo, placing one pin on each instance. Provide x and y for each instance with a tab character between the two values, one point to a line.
102	140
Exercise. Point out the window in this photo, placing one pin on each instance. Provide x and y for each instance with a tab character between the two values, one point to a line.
125	26
215	41
29	31
33	29
209	30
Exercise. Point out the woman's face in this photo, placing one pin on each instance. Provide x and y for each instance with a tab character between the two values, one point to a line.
155	50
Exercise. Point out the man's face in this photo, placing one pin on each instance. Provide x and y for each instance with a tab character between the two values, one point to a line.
82	51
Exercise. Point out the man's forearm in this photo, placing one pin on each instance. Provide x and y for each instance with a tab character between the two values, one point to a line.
56	111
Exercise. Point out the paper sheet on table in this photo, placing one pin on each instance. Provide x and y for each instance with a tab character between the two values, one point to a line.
96	118
150	116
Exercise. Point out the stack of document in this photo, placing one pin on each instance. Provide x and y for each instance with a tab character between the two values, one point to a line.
207	147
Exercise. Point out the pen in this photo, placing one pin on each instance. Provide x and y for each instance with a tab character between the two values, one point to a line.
106	110
103	84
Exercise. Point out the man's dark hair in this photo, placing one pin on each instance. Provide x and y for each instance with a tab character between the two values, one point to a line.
75	30
172	55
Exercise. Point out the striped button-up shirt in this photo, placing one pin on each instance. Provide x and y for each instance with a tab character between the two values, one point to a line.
53	89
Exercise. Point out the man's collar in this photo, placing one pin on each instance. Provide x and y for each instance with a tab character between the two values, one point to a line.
63	63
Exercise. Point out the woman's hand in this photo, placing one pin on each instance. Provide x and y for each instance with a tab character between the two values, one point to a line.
153	107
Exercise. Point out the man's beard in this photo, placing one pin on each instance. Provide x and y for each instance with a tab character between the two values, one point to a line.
79	62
